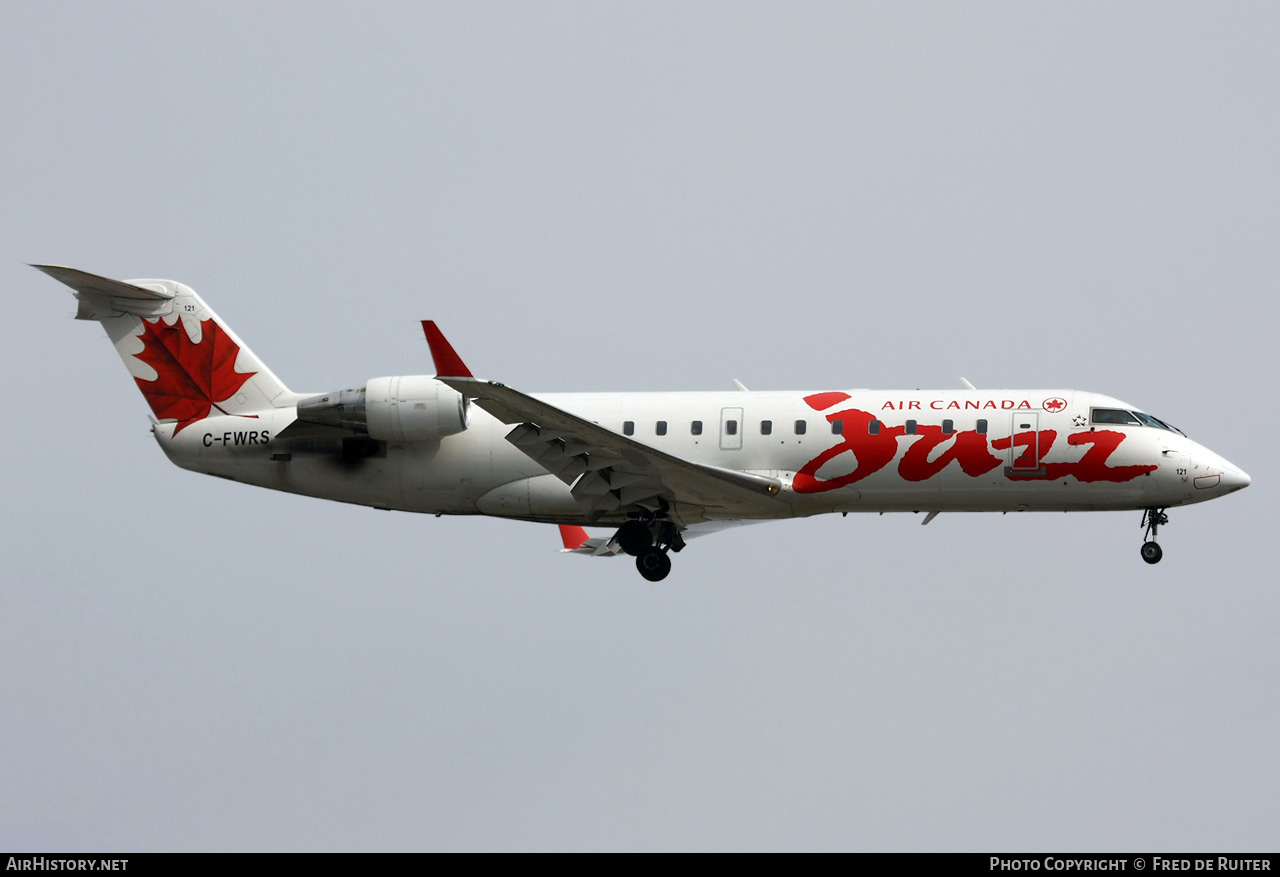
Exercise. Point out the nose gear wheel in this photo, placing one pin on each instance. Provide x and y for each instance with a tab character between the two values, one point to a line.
1152	520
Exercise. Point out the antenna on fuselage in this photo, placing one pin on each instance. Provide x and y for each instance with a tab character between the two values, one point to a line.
965	381
737	383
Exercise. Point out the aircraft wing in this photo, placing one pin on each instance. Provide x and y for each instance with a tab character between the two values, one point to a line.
612	474
577	540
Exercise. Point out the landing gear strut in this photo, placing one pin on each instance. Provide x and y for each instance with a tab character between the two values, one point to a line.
1152	519
648	542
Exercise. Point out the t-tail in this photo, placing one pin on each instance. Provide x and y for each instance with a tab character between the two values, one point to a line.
187	362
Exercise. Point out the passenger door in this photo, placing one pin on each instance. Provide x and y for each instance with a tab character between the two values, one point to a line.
1024	449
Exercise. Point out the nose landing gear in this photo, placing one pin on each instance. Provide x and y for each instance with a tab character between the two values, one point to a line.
1152	519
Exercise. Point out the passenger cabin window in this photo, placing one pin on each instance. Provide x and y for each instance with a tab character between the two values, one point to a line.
837	427
661	428
766	427
1115	415
948	427
695	428
982	427
801	426
628	427
731	427
911	427
873	427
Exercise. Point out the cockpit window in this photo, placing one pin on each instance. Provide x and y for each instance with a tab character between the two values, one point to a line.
1156	422
1131	418
1115	415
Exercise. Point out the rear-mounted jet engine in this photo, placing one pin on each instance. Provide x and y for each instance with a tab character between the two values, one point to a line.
413	408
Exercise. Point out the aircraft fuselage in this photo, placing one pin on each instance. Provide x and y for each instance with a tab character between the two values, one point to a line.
851	451
653	467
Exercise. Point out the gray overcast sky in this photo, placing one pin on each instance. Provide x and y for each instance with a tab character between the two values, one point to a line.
615	196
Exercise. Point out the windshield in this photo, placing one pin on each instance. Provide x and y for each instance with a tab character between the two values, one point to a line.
1157	422
1115	415
1131	418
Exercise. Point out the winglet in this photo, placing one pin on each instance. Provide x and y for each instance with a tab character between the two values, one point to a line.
573	537
448	363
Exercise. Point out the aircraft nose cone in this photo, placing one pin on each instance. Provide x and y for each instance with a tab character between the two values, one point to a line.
1234	479
1214	475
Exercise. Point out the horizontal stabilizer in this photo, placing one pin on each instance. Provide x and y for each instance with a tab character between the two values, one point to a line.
83	281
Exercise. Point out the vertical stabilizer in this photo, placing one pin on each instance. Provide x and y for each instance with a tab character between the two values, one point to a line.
187	362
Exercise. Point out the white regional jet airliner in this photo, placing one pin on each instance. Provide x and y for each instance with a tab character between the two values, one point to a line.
654	468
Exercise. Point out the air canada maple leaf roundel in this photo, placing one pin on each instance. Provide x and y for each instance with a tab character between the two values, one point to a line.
1054	405
191	378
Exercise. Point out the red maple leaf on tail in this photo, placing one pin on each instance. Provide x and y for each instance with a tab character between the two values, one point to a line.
191	379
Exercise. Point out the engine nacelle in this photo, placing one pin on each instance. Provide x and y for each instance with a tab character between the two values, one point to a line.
406	408
414	408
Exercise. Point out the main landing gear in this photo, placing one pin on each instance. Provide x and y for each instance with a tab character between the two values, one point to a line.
1152	519
654	564
648	542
